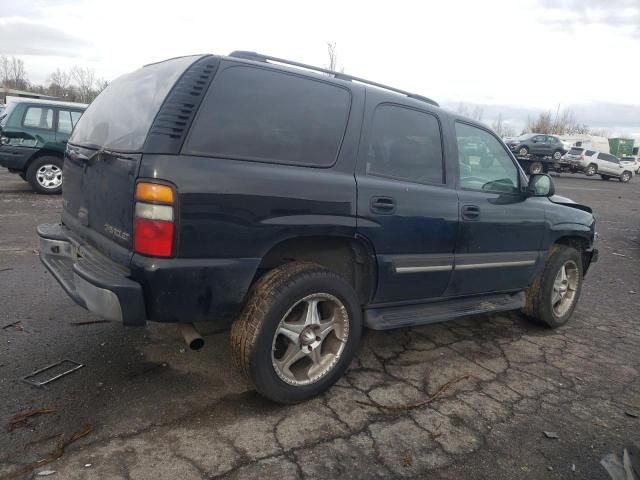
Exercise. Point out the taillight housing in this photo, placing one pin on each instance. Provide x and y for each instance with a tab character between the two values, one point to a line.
154	219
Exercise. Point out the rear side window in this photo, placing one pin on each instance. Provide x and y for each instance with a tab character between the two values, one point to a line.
67	119
405	144
38	117
264	115
120	117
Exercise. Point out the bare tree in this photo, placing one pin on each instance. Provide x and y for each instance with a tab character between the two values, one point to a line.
559	123
333	56
60	84
85	79
12	73
501	128
465	110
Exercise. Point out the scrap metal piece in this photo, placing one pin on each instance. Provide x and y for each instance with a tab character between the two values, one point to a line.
30	378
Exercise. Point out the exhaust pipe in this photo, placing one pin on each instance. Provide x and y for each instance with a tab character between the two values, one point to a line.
191	336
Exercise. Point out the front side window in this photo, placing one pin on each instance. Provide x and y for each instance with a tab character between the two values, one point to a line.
38	117
405	144
484	163
265	115
539	138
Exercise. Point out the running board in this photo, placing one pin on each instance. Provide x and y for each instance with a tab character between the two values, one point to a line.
423	314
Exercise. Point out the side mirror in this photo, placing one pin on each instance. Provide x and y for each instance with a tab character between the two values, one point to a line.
541	185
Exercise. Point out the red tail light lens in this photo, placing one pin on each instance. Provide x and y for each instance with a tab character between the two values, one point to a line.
152	237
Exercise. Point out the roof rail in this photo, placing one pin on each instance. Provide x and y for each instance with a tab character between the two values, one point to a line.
258	57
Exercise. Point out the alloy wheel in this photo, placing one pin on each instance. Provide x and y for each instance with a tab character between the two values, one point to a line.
49	176
565	286
310	339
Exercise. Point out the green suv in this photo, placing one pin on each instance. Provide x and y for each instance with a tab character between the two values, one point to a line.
33	136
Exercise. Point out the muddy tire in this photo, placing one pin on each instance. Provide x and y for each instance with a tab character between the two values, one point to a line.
554	294
298	332
45	175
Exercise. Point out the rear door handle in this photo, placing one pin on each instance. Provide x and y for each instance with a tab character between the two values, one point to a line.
470	212
383	205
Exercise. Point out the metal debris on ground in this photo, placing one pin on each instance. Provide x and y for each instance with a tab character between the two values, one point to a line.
552	435
12	324
618	254
45	473
443	388
20	419
89	322
71	366
625	468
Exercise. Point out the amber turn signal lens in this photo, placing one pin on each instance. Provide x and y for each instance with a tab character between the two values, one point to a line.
152	192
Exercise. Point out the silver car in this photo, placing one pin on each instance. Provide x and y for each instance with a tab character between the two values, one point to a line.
604	164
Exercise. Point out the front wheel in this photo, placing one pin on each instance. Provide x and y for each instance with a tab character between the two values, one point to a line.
553	296
625	177
45	175
298	332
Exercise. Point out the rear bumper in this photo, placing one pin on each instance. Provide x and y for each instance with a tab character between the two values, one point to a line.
91	280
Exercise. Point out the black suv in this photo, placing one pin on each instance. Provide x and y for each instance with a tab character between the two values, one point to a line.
300	205
539	145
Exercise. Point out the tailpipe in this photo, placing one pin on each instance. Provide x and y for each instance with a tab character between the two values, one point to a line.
191	336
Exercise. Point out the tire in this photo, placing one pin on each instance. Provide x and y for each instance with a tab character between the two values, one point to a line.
536	168
557	155
45	175
604	177
283	294
23	176
542	295
625	177
522	151
591	170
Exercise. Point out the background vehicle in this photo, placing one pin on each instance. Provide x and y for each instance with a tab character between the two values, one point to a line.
635	159
33	137
539	145
603	164
299	206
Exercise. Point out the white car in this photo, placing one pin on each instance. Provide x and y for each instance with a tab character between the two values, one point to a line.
635	159
604	164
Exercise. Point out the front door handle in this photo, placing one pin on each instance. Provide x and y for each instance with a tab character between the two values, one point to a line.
470	212
383	205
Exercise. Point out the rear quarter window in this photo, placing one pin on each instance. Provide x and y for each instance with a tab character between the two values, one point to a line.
258	114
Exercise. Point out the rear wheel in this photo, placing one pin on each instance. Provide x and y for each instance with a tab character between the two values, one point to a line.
523	151
625	177
553	296
535	168
45	175
591	170
557	155
298	332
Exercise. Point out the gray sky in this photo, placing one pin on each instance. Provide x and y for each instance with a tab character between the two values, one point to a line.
511	56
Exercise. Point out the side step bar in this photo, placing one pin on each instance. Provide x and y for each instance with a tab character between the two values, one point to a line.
423	314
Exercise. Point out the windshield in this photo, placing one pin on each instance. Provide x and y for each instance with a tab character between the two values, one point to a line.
120	117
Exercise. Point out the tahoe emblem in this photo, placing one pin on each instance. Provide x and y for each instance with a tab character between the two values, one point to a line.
116	232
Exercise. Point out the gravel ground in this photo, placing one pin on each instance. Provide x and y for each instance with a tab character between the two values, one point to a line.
157	411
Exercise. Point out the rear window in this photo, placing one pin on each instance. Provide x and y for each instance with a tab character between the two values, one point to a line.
120	117
265	115
576	151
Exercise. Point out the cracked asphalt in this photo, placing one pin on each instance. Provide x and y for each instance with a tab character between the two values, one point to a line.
160	412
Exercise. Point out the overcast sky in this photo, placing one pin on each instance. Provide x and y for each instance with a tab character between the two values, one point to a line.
512	56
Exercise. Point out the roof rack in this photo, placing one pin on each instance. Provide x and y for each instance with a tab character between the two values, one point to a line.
258	57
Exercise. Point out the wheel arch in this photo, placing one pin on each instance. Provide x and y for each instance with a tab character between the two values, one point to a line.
351	257
43	152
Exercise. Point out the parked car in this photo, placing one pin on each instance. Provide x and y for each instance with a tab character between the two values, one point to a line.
299	205
538	145
33	137
634	160
606	165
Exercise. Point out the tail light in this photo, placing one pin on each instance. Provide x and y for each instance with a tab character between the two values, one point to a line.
154	217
